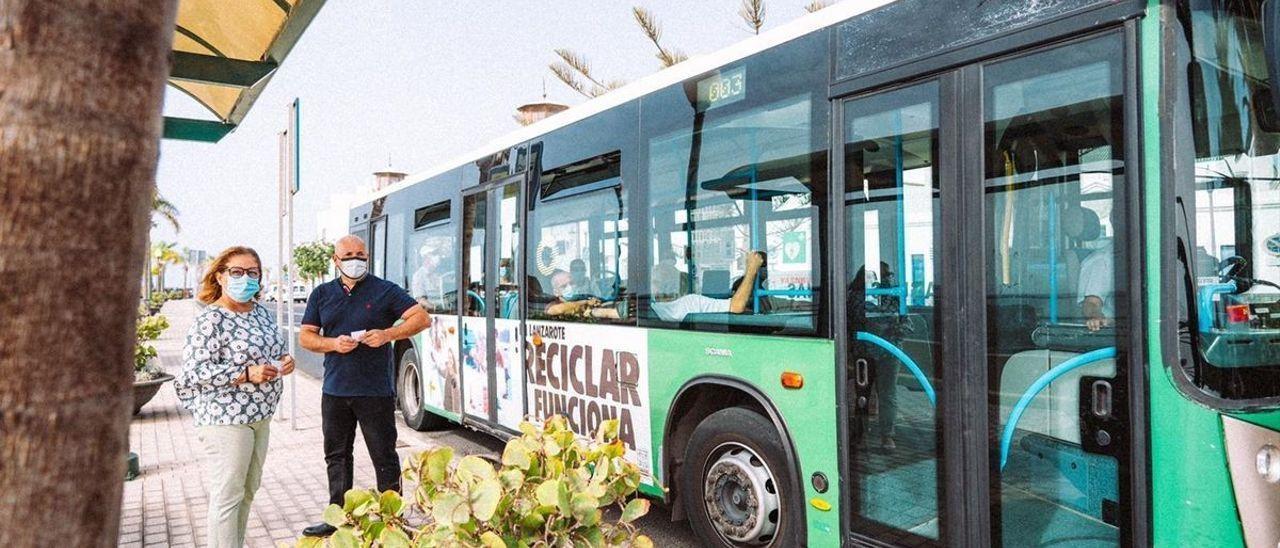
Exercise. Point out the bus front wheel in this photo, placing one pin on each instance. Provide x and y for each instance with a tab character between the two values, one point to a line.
736	484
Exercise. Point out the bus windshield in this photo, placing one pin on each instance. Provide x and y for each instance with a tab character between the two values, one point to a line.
1233	252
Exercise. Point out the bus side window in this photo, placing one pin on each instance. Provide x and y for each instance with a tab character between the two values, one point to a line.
578	236
736	189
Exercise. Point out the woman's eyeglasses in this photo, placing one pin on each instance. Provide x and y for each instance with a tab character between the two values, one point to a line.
237	272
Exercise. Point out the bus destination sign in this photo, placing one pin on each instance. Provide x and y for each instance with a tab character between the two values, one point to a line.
723	88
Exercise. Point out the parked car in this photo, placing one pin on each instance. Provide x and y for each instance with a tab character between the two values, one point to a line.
300	293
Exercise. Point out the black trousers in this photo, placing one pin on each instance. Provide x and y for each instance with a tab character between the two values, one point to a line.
376	417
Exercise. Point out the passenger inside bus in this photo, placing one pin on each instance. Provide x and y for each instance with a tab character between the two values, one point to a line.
668	307
675	310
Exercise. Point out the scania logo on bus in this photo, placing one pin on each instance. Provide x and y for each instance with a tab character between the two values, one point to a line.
720	352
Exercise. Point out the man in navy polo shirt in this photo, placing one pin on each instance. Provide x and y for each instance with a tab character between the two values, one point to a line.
352	320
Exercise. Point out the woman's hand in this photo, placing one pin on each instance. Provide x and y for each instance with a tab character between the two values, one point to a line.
259	374
286	365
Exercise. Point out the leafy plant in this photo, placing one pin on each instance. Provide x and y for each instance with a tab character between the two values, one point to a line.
149	329
312	259
551	490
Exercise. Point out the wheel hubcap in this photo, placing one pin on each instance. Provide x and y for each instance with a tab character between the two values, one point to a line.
741	496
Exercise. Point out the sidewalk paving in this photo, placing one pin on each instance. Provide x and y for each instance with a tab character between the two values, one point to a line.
166	505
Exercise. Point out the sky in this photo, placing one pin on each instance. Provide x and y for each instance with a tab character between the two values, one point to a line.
409	84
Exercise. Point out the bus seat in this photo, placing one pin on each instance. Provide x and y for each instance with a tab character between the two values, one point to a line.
1056	411
607	286
511	305
716	284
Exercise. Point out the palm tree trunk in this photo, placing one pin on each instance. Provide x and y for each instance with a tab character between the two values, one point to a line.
81	86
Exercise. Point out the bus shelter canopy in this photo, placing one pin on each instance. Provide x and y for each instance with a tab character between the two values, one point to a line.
224	54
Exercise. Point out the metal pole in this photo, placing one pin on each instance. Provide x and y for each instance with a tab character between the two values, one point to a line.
280	210
293	186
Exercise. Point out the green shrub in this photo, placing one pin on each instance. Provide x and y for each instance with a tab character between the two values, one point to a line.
149	329
550	491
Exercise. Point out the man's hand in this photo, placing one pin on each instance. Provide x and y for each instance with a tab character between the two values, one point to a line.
1091	307
259	374
286	365
1095	324
375	338
344	344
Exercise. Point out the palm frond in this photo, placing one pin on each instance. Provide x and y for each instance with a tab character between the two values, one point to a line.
568	77
815	5
579	64
752	13
653	31
165	210
649	24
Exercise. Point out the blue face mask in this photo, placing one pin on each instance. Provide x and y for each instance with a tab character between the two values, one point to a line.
241	289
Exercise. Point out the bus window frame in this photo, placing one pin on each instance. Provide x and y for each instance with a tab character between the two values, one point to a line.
773	89
455	233
1177	224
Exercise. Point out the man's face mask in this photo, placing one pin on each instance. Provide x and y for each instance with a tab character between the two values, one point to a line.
354	268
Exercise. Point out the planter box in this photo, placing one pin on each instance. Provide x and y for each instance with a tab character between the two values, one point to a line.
144	391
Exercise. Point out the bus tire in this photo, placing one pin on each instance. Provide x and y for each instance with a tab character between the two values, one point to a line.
409	395
737	487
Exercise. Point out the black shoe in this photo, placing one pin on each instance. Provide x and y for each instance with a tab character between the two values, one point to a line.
319	530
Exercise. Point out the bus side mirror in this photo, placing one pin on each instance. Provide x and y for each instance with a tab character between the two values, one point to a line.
1268	113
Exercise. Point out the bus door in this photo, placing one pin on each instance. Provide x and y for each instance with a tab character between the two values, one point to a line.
986	290
1055	243
893	357
492	325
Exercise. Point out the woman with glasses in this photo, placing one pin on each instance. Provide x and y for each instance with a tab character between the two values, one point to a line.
232	363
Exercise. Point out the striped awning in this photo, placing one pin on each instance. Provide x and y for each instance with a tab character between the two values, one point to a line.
224	54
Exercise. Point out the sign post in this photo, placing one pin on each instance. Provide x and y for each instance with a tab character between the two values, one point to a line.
289	185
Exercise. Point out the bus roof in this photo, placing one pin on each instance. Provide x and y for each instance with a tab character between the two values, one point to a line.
690	68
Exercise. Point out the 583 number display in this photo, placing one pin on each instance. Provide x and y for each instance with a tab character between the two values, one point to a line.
722	89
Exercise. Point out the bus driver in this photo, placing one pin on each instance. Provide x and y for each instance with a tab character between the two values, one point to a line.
1096	287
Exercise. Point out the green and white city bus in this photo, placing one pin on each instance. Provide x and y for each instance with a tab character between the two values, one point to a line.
925	272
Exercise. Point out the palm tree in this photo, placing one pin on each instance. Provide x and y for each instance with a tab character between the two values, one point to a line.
83	85
163	254
165	210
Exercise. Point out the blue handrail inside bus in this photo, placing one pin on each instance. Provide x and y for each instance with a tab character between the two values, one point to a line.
1205	306
897	290
479	301
901	225
786	292
1006	438
1053	258
905	359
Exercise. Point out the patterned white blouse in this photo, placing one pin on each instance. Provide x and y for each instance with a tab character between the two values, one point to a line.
221	345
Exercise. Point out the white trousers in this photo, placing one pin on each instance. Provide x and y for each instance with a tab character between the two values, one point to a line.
233	465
